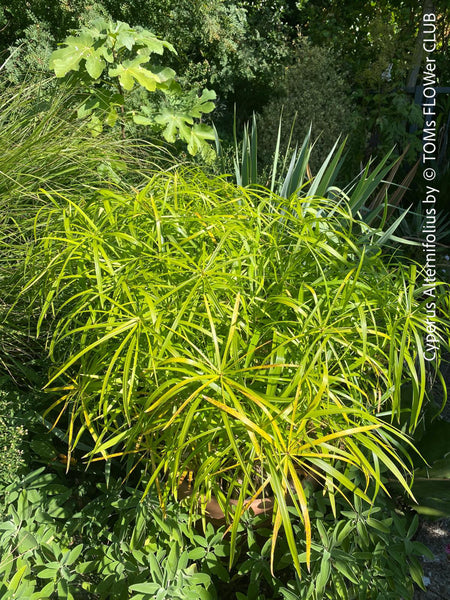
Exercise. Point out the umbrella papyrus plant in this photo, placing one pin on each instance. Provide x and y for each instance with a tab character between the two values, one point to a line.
202	327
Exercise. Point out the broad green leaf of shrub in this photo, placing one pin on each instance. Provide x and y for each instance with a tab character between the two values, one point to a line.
197	139
128	51
95	65
142	120
153	44
176	124
124	36
78	48
181	125
204	104
132	70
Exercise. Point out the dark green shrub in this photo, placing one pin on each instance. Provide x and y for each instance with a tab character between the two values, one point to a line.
20	423
357	554
58	542
315	91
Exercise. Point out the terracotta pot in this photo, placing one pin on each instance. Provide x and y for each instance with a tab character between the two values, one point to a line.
215	515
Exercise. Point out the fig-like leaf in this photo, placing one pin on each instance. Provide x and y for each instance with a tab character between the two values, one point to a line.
76	49
132	70
95	65
203	104
175	124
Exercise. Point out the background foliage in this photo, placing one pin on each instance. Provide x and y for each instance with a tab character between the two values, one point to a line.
314	92
240	50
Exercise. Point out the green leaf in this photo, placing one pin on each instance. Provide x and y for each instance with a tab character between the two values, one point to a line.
95	65
197	553
48	574
46	591
172	561
362	532
86	567
379	525
63	590
126	37
153	44
176	124
131	70
203	104
68	59
323	534
440	470
346	570
111	117
421	549
340	587
95	126
74	554
155	568
200	579
416	573
145	588
17	578
197	139
44	449
324	573
142	120
201	594
26	541
139	532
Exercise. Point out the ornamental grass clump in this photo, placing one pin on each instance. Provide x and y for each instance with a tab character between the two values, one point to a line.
43	145
199	327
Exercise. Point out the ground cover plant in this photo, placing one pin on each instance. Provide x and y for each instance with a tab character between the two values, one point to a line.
12	433
246	338
69	538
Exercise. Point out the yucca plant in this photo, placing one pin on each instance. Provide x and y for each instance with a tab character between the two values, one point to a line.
231	333
372	196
